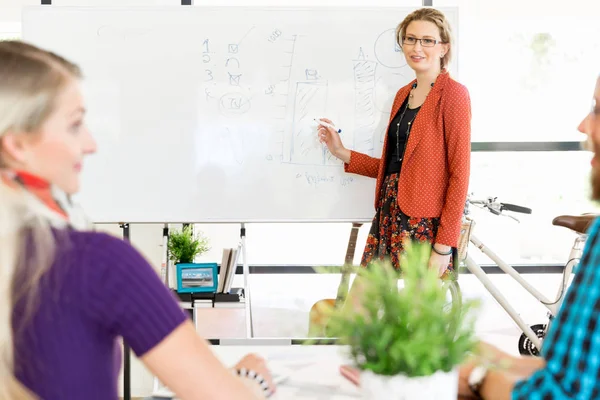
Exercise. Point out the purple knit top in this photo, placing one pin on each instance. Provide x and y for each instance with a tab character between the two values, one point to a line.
98	289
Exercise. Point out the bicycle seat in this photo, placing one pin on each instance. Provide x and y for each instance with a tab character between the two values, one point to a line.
577	223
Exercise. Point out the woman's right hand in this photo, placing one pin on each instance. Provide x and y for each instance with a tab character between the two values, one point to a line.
254	362
332	140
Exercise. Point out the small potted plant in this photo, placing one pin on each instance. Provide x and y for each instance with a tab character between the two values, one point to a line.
184	246
405	342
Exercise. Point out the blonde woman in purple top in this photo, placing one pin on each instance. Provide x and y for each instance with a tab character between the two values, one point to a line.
68	294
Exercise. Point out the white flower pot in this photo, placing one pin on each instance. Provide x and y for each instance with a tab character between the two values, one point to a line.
439	386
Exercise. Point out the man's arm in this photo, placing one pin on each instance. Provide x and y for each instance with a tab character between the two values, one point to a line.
505	370
572	347
519	366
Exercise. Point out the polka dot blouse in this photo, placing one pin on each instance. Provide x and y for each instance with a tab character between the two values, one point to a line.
434	179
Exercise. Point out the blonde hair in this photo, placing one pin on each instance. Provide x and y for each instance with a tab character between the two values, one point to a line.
30	81
436	17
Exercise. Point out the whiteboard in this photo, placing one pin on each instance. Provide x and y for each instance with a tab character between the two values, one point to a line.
205	114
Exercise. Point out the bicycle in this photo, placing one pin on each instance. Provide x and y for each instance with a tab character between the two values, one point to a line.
530	342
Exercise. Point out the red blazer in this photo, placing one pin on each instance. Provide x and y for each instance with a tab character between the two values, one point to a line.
434	178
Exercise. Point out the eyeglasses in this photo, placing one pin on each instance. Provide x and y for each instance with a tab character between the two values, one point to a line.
595	109
426	42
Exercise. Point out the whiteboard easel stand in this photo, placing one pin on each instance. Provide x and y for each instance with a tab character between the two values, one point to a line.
164	266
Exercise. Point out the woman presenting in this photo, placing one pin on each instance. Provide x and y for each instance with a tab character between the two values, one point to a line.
423	173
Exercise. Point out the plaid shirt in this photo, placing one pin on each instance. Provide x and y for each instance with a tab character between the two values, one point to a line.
572	347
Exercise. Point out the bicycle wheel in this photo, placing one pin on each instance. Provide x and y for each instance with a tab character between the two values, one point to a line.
454	303
453	295
526	347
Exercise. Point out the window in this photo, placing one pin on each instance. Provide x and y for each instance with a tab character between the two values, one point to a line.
529	66
550	183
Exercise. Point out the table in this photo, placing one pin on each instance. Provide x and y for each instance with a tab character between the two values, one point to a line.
313	371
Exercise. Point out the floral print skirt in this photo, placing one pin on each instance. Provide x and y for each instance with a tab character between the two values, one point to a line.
391	227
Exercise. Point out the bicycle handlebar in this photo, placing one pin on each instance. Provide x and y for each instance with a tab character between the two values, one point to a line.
477	202
496	208
515	208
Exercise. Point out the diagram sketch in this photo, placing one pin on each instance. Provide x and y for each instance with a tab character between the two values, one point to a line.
234	103
364	105
310	100
279	91
297	86
387	51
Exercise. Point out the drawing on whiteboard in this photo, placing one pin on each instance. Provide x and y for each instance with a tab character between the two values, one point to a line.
315	179
361	55
310	101
209	75
280	92
244	37
383	134
364	103
208	94
269	90
234	103
346	180
330	159
312	74
232	59
288	66
234	48
234	79
387	50
275	35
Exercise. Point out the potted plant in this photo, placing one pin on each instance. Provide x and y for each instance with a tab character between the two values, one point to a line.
405	342
184	246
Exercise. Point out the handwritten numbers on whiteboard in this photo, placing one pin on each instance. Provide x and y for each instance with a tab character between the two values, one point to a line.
275	35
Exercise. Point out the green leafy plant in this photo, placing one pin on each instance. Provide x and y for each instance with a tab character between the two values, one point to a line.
408	331
184	245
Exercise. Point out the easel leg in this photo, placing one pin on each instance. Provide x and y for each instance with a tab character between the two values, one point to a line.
164	267
126	350
246	270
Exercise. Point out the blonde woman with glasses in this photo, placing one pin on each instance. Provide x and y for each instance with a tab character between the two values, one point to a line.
423	172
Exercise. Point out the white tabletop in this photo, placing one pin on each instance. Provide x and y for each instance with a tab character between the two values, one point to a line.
308	372
312	371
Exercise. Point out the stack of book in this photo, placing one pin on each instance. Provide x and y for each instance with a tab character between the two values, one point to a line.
228	267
